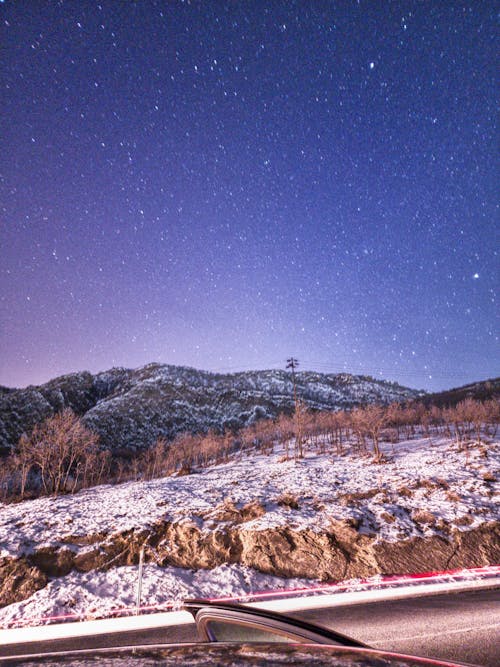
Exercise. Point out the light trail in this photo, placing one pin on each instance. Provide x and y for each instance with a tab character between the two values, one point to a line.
371	583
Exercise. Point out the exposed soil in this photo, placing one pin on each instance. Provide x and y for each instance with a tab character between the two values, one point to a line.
340	553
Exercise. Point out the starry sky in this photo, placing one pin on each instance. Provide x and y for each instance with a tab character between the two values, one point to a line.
225	184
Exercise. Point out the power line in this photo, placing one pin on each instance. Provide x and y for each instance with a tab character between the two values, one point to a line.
326	367
357	369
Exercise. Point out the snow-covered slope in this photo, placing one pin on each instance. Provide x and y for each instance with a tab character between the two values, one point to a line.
377	498
132	408
428	506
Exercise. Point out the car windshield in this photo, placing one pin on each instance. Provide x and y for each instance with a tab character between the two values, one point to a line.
249	323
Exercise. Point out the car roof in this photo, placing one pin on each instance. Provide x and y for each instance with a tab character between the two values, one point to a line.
225	655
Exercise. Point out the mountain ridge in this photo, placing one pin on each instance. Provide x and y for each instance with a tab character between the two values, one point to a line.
479	391
131	408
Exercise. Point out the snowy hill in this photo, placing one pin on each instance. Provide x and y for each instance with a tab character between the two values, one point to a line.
132	408
429	505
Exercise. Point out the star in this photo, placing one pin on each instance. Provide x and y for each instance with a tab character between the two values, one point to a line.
243	179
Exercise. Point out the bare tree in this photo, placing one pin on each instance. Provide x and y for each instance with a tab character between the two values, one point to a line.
375	419
59	449
153	459
358	425
284	431
24	461
492	418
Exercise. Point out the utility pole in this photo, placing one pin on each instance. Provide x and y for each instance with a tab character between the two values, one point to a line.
293	363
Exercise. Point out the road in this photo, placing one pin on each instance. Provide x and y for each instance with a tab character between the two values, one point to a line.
455	626
461	626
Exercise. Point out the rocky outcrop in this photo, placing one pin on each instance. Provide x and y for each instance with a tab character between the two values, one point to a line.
340	553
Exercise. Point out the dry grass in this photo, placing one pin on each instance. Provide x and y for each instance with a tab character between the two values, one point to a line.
427	484
347	499
252	510
229	512
464	520
405	492
288	500
424	517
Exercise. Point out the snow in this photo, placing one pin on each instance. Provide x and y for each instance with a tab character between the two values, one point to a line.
432	475
99	594
383	499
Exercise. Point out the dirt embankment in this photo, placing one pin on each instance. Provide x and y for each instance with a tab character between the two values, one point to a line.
340	553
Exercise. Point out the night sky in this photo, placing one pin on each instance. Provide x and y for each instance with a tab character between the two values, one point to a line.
226	184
